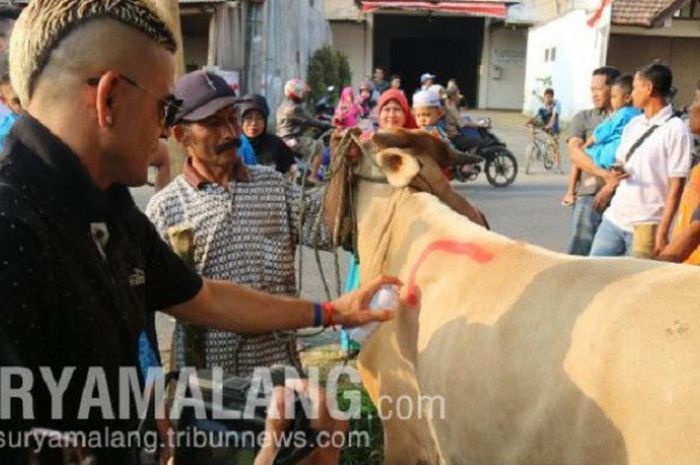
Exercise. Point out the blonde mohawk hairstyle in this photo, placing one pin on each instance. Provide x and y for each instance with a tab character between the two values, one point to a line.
44	23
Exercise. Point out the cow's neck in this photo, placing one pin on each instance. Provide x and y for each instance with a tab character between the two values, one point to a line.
374	206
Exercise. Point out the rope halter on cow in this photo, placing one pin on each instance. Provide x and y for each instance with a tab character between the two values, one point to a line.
353	161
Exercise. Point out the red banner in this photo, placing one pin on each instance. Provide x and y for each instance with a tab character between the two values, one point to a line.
598	13
491	9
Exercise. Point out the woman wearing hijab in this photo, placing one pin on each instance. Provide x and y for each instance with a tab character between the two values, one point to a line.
269	149
393	112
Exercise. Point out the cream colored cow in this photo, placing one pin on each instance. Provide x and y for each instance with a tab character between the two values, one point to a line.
540	358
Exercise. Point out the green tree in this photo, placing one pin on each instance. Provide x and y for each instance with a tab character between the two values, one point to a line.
327	67
344	71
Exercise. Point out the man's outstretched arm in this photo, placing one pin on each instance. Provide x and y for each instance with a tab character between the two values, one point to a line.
232	307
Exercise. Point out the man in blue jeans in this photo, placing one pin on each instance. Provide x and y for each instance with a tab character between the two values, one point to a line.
583	186
655	151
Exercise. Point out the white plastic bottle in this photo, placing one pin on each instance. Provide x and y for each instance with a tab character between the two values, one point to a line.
386	298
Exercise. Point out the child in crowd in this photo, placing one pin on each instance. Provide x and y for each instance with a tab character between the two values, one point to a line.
429	114
365	99
427	109
547	118
602	145
348	110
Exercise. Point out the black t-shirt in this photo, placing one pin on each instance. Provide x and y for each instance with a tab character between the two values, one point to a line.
70	295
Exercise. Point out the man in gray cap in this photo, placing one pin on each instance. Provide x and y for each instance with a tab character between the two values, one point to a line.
81	268
245	225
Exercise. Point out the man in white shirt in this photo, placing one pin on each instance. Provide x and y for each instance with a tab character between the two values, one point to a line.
654	156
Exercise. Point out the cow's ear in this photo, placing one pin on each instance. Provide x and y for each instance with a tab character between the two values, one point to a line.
399	166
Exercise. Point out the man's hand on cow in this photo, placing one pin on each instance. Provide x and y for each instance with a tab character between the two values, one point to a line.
352	309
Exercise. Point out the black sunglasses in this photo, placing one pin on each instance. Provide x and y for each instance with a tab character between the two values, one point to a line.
169	105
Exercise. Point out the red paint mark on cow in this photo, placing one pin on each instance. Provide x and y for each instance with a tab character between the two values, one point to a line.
412	297
472	250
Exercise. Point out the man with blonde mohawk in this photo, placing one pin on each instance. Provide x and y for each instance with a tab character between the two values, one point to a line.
80	266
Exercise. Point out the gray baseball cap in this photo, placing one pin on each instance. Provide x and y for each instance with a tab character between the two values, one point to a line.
202	94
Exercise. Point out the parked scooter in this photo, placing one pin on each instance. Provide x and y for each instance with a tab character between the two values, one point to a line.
499	165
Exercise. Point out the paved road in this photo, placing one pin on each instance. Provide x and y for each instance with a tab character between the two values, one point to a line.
528	210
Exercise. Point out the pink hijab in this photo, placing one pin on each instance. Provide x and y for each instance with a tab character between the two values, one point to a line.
347	111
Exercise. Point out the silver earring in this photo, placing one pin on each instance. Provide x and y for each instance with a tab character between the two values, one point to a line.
109	121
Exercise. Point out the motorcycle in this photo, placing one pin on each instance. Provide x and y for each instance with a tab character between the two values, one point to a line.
324	108
323	114
499	165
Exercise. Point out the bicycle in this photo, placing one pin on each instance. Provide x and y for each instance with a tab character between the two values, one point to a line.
542	146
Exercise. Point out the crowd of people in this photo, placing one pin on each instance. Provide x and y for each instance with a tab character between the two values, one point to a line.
631	158
298	134
82	270
631	155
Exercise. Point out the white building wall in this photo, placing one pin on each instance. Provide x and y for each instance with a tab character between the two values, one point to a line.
342	10
578	50
542	11
502	71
